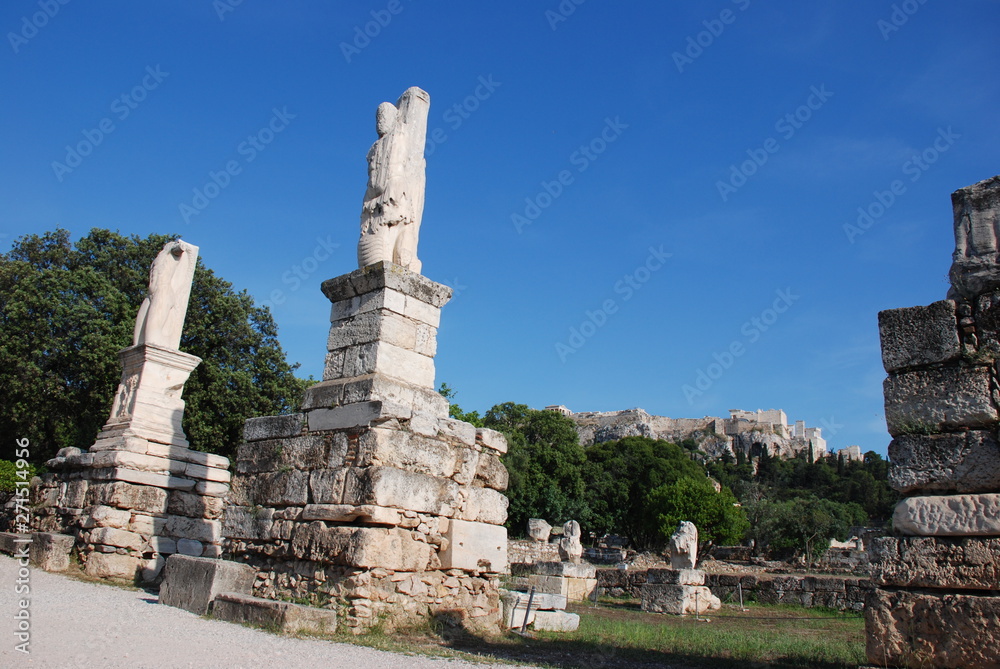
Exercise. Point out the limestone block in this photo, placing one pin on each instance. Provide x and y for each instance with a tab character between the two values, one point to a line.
196	471
987	320
273	427
475	547
207	531
182	454
240	522
542	601
467	463
150	569
326	486
161	545
127	496
143	478
676	576
426	340
491	439
574	589
283	488
382	275
351	416
192	583
280	616
404	450
678	599
75	496
211	488
146	525
50	551
961	462
556	621
936	399
485	505
539	530
105	516
515	605
138	461
393	361
308	451
330	393
391	487
366	547
370	326
965	563
194	506
917	336
10	542
492	472
456	429
190	547
567	569
927	629
949	515
974	268
110	536
113	565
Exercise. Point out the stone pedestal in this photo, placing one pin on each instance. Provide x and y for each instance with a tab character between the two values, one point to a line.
140	494
575	581
372	496
678	591
935	602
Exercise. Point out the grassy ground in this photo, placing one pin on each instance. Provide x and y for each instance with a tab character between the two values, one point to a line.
620	635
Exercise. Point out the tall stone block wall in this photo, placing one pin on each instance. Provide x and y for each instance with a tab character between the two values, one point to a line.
937	596
372	496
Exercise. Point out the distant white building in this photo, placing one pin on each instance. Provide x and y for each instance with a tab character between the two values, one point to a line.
851	453
559	408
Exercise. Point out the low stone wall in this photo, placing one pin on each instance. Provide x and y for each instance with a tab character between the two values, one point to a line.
526	551
835	592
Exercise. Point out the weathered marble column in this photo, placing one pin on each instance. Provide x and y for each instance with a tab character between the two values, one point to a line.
937	600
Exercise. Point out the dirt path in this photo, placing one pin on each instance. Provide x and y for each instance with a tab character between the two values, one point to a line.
77	624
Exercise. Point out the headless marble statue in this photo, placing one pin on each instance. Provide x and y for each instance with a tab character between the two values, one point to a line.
161	315
394	200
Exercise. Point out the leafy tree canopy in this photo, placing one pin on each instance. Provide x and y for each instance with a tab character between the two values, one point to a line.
68	309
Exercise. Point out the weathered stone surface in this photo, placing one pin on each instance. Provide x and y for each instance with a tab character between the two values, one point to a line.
963	462
127	496
366	547
137	461
917	336
358	415
396	362
326	486
678	599
144	478
211	488
485	505
105	516
273	427
192	583
556	621
346	513
190	547
11	542
574	589
50	551
282	488
458	430
475	546
206	531
964	563
949	516
492	472
933	400
675	576
113	565
684	547
183	454
386	275
279	616
491	439
570	548
928	629
241	522
539	530
404	450
309	451
75	496
568	569
194	506
974	267
391	487
110	536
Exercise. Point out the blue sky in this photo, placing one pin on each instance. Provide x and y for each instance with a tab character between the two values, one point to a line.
637	204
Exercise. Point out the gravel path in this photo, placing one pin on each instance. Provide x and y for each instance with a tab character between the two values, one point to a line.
77	624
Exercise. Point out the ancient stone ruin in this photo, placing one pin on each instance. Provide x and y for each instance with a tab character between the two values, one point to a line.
681	589
140	493
936	602
372	495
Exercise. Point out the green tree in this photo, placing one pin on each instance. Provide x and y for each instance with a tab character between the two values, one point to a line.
806	525
456	411
68	309
545	462
717	515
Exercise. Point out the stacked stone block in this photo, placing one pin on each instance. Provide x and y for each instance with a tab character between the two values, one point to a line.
372	496
140	493
677	591
936	600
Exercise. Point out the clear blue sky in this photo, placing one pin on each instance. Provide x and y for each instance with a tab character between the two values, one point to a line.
642	109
